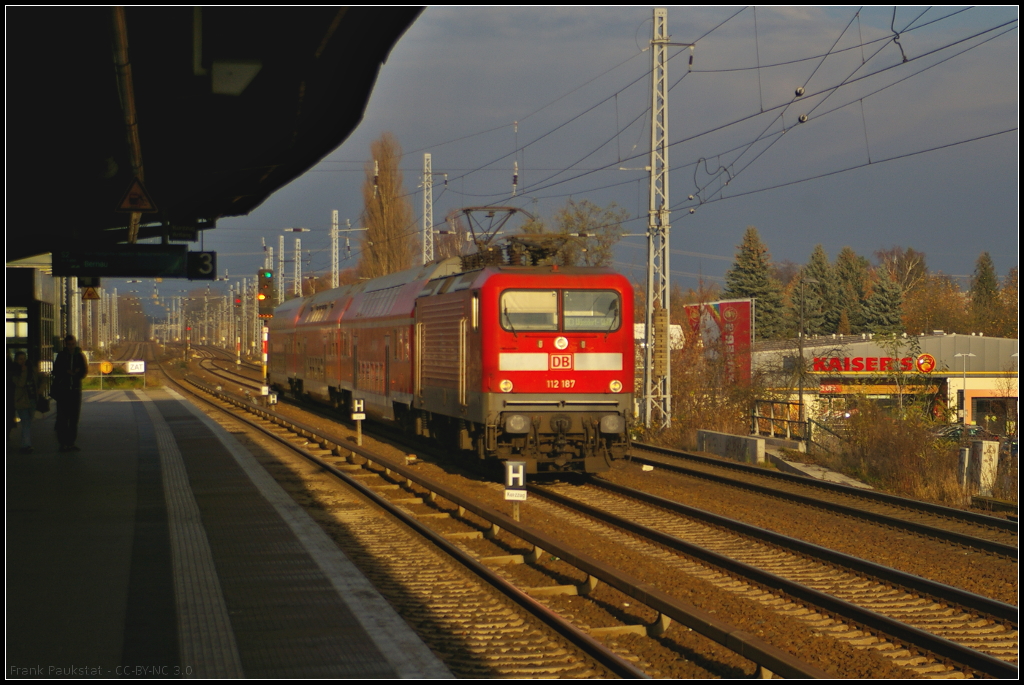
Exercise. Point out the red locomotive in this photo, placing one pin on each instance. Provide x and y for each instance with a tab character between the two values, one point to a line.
533	363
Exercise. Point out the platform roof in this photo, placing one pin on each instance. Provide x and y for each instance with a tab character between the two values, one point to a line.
232	103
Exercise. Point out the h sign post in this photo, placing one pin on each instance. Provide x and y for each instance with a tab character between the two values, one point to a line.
515	485
358	414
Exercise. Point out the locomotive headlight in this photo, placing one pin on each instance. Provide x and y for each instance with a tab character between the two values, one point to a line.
561	342
517	423
505	385
615	386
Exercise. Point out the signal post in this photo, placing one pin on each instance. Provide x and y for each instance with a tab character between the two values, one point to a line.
265	307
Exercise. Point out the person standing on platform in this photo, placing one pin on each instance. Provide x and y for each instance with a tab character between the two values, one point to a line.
69	369
27	389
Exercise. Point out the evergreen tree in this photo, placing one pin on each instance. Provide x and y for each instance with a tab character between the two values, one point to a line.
984	294
806	310
749	277
883	312
851	273
818	269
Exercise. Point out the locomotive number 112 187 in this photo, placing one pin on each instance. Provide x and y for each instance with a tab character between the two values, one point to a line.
561	383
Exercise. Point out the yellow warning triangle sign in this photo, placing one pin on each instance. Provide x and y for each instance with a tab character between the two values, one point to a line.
137	199
90	294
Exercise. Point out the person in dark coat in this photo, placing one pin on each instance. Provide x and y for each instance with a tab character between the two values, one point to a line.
69	369
27	390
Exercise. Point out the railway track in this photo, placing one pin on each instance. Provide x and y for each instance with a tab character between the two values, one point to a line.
210	365
473	534
857	602
221	354
947	625
965	528
478	625
930	661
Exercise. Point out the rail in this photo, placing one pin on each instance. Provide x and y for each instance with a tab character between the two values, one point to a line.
766	656
890	627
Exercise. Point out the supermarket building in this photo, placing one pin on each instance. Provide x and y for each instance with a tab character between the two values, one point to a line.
968	378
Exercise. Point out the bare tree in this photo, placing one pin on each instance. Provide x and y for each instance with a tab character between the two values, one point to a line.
584	232
907	268
390	240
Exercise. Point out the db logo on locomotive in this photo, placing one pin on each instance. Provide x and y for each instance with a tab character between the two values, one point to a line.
560	362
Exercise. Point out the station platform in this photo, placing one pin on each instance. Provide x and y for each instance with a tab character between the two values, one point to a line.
163	549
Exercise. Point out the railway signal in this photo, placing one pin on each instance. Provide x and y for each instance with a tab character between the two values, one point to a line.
265	294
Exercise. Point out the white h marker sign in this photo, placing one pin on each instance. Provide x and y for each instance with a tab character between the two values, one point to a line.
515	480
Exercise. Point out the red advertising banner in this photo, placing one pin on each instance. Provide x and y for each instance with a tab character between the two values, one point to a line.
725	327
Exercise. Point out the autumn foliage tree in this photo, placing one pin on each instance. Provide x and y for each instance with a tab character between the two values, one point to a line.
935	303
583	232
390	242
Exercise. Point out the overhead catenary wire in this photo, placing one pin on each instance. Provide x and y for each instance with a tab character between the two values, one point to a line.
824	90
768	136
544	184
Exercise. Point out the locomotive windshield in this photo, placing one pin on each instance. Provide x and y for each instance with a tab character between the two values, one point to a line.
582	310
529	310
591	310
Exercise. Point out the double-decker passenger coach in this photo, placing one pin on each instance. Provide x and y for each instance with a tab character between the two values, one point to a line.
532	363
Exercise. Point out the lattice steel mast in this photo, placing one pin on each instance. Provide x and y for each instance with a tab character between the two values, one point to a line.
428	210
334	248
657	370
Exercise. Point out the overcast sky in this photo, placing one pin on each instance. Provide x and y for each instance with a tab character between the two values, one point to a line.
577	82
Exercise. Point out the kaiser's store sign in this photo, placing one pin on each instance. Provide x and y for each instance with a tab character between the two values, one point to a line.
924	363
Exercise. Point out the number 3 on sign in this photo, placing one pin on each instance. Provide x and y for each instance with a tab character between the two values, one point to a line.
202	266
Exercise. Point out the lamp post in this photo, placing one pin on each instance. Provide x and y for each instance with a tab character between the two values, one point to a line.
963	405
800	346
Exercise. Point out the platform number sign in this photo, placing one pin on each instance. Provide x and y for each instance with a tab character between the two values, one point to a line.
202	266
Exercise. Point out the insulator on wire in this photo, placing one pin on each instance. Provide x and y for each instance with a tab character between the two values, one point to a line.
376	176
515	177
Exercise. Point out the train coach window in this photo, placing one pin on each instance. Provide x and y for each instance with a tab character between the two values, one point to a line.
591	310
529	310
